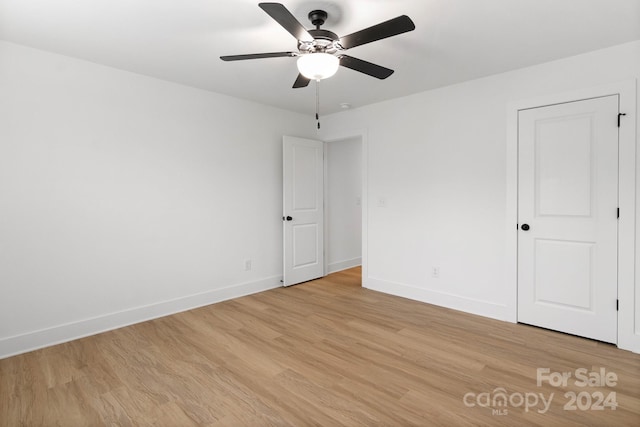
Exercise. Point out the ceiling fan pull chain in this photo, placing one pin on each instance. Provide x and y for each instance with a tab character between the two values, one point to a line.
318	102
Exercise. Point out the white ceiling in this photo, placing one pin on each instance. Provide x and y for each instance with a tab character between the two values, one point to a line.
454	41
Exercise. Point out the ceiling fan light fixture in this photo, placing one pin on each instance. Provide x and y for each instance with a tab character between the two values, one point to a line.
318	65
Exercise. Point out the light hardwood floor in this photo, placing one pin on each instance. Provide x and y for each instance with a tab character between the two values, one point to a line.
323	353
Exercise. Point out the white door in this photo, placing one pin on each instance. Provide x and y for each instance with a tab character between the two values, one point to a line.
303	218
567	217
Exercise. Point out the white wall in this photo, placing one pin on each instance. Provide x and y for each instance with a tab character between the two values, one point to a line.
124	197
344	203
438	158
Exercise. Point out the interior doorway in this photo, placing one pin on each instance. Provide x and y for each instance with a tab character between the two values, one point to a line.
343	204
334	238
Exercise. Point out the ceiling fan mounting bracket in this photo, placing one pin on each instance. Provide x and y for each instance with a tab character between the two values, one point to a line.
318	17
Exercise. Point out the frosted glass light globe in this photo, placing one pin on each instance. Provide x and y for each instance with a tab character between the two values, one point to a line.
318	66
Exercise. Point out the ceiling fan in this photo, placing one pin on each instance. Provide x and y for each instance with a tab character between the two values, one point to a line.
320	51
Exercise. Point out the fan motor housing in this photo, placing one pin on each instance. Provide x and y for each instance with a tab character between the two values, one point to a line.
324	35
323	41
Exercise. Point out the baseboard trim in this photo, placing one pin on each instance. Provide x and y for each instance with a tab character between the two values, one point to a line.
35	340
442	299
343	265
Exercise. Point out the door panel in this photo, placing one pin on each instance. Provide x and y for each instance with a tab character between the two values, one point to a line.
303	234
563	274
305	245
305	188
561	190
568	195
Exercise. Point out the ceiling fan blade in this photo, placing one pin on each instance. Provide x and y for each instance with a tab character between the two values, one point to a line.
256	56
392	27
301	81
365	67
283	17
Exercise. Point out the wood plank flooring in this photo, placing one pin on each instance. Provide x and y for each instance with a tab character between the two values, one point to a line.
323	353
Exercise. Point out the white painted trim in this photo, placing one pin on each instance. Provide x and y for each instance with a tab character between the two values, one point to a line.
344	265
362	134
18	344
443	299
511	243
628	287
326	206
628	333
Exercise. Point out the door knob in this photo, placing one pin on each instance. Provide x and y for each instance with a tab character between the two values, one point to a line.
288	218
525	227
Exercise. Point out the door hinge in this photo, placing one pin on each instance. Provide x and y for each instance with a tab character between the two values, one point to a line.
619	115
617	305
618	213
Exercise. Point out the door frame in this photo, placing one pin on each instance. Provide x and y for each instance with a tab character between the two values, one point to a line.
628	333
340	136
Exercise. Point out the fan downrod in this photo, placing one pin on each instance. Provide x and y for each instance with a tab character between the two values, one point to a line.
317	17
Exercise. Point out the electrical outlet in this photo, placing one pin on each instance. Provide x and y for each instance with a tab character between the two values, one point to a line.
247	265
435	272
